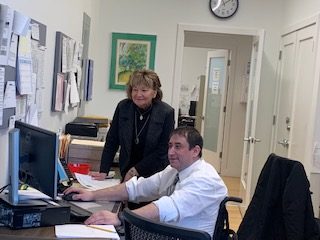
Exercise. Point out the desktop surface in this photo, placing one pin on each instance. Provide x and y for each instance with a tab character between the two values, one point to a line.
49	232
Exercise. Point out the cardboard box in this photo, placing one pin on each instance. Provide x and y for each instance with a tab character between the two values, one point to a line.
85	151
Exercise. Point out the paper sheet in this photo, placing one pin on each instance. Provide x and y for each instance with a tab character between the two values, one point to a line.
12	55
24	76
6	22
9	100
88	182
83	231
2	72
21	23
31	193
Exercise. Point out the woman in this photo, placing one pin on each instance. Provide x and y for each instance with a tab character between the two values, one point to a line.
141	126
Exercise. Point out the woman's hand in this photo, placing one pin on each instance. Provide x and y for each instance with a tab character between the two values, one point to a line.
98	175
103	217
131	173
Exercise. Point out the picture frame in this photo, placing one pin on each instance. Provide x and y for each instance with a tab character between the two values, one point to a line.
130	52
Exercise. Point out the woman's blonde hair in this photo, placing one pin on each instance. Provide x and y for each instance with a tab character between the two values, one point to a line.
146	78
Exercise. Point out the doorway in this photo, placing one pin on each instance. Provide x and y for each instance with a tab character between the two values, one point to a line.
239	42
197	45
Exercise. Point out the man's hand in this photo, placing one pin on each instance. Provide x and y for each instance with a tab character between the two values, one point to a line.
103	217
98	175
81	194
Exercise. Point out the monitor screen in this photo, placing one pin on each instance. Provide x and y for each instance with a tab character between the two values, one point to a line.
38	155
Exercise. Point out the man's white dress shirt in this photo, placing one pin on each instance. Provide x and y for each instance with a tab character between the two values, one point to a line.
195	200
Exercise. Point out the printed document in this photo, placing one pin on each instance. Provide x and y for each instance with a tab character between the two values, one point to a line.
88	182
86	231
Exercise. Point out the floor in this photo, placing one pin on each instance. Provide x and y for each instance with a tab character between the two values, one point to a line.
233	185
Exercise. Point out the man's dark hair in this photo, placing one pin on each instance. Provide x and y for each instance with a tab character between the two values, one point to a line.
192	136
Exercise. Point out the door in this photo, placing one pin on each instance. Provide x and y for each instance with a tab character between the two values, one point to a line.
303	95
295	93
215	92
285	95
251	116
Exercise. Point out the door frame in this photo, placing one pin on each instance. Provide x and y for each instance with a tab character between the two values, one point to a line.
182	29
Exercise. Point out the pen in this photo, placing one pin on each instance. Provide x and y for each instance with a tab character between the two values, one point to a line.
100	228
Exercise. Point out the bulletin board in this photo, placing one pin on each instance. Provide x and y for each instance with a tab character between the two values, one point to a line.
11	74
66	73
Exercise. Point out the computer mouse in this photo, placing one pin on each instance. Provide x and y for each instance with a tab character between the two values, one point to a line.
69	197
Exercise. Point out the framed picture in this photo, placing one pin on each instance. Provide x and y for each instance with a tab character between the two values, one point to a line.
130	52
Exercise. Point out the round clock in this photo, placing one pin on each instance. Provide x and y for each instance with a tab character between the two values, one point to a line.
224	8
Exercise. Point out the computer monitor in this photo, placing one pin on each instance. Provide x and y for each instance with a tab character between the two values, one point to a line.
33	155
38	155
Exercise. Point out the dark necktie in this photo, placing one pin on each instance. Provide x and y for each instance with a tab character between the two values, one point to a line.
173	185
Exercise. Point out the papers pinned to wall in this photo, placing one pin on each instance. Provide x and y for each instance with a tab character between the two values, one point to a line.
67	62
20	37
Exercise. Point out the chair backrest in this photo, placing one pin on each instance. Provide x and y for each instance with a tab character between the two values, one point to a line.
222	230
140	228
281	206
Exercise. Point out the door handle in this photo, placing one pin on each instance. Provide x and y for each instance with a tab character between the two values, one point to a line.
284	143
254	140
251	139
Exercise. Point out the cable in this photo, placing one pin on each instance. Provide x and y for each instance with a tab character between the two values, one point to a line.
4	187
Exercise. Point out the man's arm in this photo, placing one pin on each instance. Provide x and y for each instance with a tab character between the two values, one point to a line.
149	211
115	193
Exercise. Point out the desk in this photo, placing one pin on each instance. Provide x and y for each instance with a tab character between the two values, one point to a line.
32	233
38	233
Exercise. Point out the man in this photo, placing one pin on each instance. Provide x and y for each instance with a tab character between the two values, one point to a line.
194	203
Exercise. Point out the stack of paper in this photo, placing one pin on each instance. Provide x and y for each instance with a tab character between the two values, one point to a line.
86	231
88	182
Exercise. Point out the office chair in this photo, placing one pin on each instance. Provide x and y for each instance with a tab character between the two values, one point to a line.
140	228
281	206
222	230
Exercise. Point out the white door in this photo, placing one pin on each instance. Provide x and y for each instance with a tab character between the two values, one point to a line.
295	94
250	138
303	94
215	91
285	88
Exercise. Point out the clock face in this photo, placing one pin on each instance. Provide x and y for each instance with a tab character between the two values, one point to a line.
224	8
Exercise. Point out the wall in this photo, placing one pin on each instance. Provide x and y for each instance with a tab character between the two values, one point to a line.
58	15
296	10
194	65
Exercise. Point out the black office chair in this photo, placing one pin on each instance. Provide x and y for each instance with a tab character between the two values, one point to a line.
222	230
140	228
281	206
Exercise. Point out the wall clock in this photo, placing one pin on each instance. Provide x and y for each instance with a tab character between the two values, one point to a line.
224	8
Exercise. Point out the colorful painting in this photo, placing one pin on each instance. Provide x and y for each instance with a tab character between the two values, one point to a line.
130	52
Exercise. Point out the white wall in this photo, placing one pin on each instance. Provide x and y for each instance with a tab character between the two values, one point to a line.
297	10
194	65
57	15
